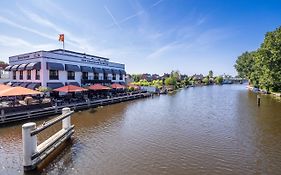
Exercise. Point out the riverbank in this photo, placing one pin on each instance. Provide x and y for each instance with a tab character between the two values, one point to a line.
262	91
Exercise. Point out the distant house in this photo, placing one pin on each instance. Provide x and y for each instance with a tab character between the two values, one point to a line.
3	74
197	77
183	77
146	76
129	79
165	75
155	76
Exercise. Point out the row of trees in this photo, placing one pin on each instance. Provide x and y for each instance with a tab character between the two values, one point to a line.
263	67
176	81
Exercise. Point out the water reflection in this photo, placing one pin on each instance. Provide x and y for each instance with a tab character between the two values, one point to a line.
202	130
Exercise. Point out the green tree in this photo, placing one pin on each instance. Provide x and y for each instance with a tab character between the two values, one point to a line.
206	80
176	75
219	80
211	74
136	77
170	81
245	64
268	61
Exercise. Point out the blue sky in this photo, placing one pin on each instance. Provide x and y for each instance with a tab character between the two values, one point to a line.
153	36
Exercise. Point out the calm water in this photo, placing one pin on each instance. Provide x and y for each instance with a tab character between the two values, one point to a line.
203	130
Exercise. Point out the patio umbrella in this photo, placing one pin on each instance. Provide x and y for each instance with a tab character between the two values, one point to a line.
97	87
70	88
17	91
3	87
117	86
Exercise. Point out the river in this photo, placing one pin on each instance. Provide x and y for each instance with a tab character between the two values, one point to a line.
215	130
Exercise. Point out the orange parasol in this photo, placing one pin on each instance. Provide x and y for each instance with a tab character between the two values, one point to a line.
134	86
17	91
3	87
70	88
98	87
117	86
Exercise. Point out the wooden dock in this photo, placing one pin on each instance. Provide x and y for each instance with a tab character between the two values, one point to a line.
49	111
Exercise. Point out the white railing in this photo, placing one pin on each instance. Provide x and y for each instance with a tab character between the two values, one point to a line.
33	154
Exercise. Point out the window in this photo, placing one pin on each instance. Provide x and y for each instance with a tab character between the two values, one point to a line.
85	75
96	76
21	75
120	77
14	75
70	75
53	74
100	77
28	75
37	74
113	76
105	76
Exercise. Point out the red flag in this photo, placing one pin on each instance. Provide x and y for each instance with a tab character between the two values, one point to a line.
61	37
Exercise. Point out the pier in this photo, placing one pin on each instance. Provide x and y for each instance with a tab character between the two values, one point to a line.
34	154
53	110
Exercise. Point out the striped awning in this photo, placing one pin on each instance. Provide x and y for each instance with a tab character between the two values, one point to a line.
22	67
54	66
14	67
122	72
71	67
54	85
115	71
35	65
24	84
86	69
33	86
98	70
72	83
16	84
8	68
107	71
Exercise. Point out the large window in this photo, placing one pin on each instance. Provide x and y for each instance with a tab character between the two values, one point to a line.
96	76
14	75
53	74
21	75
85	75
121	77
37	74
70	75
28	76
105	76
113	76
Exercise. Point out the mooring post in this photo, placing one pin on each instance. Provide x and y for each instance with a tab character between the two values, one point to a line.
29	145
56	107
2	115
258	100
66	123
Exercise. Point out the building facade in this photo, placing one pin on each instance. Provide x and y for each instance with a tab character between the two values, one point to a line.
59	67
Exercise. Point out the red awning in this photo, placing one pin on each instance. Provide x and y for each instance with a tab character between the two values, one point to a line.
117	86
70	88
97	87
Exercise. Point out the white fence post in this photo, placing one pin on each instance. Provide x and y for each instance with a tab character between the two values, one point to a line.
66	123
29	144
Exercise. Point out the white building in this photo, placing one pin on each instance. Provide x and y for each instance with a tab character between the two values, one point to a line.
57	68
